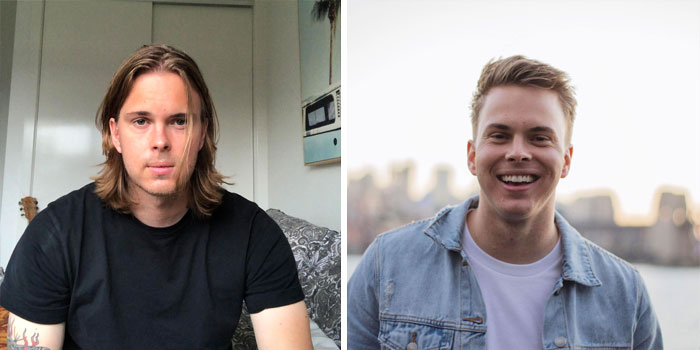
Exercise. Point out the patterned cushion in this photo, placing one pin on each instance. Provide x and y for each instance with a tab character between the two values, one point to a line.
244	338
317	253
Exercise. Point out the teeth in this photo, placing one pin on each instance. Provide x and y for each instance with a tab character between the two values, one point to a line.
518	178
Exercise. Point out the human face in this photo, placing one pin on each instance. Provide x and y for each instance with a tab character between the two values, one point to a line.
520	151
151	133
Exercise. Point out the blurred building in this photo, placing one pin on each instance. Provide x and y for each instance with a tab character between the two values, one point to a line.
672	239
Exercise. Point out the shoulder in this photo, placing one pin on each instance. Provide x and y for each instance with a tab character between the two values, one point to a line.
236	206
595	266
423	240
86	192
68	209
57	231
609	267
407	235
607	287
442	230
238	213
83	197
592	263
421	253
391	245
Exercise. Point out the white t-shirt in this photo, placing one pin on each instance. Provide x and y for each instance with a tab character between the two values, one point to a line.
515	295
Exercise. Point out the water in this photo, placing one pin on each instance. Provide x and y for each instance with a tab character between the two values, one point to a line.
675	294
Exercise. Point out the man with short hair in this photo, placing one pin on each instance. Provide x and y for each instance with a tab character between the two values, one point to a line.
154	254
503	270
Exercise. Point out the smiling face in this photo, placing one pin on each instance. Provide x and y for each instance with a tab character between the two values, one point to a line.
151	133
520	151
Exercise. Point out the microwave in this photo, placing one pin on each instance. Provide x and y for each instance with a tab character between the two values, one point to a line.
323	113
321	128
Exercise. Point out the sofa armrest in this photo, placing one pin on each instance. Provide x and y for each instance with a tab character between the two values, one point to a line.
317	254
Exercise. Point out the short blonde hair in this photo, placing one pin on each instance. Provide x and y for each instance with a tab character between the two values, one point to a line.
204	186
523	71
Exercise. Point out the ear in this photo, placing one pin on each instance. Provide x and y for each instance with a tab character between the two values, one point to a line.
114	134
568	153
471	156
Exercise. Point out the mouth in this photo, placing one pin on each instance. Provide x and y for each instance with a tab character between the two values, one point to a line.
161	169
517	180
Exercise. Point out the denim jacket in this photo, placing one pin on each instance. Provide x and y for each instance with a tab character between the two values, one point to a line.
414	289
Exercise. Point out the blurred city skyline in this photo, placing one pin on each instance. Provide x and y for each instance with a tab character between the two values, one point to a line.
638	213
669	235
420	185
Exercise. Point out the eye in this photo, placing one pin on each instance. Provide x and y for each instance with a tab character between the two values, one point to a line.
498	136
140	121
541	138
179	122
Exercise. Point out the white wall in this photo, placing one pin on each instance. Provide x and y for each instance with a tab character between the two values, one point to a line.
21	120
314	52
7	32
308	192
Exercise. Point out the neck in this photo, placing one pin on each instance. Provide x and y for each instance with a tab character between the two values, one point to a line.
521	241
159	211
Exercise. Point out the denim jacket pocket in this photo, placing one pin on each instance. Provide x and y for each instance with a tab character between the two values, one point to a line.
406	335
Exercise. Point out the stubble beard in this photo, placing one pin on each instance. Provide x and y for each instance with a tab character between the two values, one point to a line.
165	194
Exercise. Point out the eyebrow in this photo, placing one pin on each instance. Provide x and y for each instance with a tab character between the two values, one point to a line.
148	114
545	129
497	126
507	128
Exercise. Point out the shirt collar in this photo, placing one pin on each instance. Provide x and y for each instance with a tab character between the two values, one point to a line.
447	226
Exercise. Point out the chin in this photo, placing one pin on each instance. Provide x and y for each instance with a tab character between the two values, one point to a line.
159	189
518	210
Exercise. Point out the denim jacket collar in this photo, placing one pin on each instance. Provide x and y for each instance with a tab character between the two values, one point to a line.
446	229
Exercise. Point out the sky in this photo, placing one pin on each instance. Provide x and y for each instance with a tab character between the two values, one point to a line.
413	67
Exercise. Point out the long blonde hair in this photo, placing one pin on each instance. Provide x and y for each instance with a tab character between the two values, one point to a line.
204	186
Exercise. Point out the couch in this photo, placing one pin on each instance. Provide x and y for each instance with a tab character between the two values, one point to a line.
317	253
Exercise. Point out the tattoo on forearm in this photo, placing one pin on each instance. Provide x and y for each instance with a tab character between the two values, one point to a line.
16	342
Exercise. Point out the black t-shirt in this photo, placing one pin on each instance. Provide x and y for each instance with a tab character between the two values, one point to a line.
119	284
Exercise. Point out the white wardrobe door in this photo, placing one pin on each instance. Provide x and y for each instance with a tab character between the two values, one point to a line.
83	45
220	39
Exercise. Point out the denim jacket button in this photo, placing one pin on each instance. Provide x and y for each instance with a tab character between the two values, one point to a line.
560	342
412	346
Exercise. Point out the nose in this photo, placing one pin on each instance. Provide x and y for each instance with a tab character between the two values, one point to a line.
160	138
518	151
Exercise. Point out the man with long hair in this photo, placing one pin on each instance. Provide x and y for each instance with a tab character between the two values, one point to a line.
154	254
503	270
